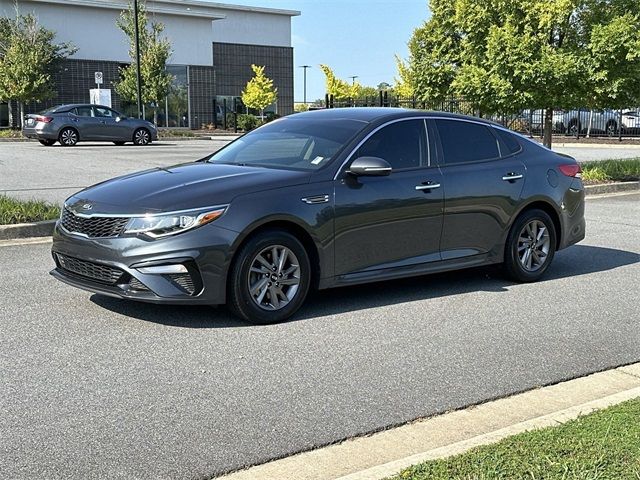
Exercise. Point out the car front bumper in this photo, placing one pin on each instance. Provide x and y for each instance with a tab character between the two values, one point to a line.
114	266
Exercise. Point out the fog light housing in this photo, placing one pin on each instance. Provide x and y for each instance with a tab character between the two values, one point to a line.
164	269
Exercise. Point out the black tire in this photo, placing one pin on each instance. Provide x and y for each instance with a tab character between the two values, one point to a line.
47	142
612	129
239	297
119	144
141	136
515	265
68	137
574	129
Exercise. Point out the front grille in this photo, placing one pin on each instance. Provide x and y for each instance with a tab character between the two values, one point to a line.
94	271
93	227
184	281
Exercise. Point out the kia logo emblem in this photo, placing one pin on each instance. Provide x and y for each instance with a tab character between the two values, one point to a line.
87	206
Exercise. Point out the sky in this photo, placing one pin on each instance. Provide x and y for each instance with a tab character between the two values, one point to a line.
354	37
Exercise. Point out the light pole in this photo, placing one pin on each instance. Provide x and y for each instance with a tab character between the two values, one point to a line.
137	45
353	79
305	81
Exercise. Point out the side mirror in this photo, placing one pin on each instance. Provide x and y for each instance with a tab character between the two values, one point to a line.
120	118
369	166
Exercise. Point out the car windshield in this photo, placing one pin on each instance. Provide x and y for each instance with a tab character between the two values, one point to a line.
289	143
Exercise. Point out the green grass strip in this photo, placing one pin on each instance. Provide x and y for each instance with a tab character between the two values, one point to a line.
604	445
16	211
623	170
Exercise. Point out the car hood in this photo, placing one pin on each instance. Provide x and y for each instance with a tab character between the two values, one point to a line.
181	187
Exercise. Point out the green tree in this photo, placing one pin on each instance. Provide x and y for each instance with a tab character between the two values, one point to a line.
259	92
507	56
404	82
155	50
336	87
29	60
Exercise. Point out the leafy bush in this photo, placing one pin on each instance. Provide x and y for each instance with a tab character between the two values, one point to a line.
16	211
594	175
247	122
10	133
626	170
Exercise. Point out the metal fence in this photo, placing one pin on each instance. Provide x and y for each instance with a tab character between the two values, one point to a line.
579	122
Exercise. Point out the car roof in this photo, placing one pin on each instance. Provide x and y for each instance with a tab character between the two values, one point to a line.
69	106
374	114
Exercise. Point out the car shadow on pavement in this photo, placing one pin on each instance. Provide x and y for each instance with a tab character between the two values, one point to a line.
575	261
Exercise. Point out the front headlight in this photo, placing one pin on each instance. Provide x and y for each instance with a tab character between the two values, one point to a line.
163	225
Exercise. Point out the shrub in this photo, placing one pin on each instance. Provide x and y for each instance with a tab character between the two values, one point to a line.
17	211
247	122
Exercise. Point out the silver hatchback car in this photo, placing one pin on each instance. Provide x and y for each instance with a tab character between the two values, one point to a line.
70	124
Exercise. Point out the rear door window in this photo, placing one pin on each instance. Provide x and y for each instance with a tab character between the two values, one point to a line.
466	142
83	111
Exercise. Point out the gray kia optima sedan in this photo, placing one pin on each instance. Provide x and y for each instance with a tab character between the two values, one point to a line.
323	199
70	124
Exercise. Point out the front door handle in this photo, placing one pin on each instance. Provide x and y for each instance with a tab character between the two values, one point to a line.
428	186
512	177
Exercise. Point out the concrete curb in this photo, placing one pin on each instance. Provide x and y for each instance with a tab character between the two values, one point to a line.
611	188
27	230
386	453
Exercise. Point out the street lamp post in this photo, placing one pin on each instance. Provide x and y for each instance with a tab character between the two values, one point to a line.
353	79
305	81
137	45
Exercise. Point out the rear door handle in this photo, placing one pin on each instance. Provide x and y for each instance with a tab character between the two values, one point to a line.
428	186
512	176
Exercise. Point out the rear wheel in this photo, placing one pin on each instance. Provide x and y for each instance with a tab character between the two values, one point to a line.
68	137
530	247
612	129
269	279
141	137
46	142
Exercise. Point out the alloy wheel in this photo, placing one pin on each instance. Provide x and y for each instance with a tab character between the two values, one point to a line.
274	277
534	243
141	137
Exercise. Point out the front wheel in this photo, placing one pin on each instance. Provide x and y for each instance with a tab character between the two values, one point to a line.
141	137
269	279
530	247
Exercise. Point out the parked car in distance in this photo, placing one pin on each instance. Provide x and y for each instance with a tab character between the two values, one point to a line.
319	200
631	121
70	124
574	122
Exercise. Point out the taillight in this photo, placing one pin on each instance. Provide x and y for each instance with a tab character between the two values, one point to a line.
40	118
571	170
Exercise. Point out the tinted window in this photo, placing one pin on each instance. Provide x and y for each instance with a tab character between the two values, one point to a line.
466	141
84	111
103	112
401	144
508	142
298	144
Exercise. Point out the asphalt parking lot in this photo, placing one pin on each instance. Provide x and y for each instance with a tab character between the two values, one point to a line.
94	387
29	170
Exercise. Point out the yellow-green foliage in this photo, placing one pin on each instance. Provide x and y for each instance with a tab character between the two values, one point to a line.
259	92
